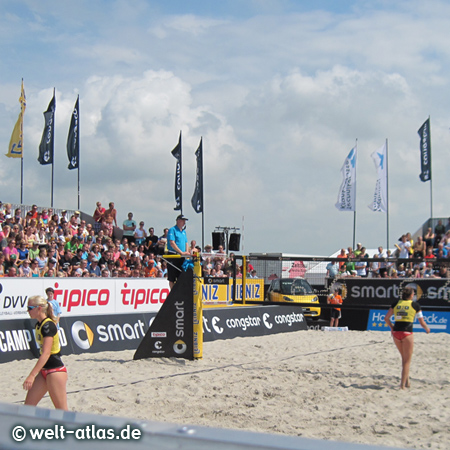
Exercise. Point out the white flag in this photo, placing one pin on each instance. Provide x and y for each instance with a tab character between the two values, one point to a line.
347	192
379	202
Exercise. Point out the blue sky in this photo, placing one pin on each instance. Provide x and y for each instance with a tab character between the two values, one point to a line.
279	91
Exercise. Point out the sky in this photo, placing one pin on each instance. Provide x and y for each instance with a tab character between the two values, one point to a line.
279	91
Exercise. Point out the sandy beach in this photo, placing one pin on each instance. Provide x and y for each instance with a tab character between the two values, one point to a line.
325	385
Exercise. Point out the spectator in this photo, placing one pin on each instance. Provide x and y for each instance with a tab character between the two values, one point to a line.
151	240
109	219
357	252
2	265
162	242
22	251
332	269
98	217
94	268
429	237
382	265
25	269
150	271
403	247
140	234
50	267
419	248
42	259
34	269
12	272
343	256
9	250
129	227
439	231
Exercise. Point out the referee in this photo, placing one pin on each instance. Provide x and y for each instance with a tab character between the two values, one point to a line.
177	244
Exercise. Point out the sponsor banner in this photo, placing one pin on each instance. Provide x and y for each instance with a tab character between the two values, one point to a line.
437	321
101	333
228	323
82	334
429	292
78	296
172	332
211	293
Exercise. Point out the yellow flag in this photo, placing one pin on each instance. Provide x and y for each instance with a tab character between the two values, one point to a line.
15	149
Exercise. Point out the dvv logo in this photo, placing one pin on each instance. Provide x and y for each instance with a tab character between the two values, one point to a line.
82	335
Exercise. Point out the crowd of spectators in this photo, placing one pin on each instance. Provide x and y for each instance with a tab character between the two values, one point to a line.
44	244
40	243
429	255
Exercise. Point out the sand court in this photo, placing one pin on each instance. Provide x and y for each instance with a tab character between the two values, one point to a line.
325	385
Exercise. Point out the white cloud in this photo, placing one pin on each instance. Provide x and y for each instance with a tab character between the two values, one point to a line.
279	100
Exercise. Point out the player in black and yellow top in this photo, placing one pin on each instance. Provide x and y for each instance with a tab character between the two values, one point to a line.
49	374
404	312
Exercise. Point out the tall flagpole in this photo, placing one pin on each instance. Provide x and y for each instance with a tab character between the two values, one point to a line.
53	156
21	159
387	196
79	150
354	212
431	177
21	180
203	202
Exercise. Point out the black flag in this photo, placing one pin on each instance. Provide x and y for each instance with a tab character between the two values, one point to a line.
176	152
197	198
425	151
73	139
47	142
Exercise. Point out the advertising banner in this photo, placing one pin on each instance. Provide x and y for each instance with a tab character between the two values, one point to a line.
79	296
429	291
101	333
221	290
228	323
437	321
172	332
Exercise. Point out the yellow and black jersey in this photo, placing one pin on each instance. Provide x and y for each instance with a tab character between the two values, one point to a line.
47	328
404	313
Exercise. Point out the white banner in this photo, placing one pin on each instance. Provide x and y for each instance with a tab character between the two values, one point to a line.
347	192
84	297
379	202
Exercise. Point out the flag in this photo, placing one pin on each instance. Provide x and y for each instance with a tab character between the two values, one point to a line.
176	152
425	151
347	192
73	139
197	198
380	196
47	142
15	148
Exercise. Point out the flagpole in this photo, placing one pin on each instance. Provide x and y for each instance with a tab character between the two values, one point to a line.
53	156
181	176
21	159
203	202
387	196
431	178
79	150
21	180
354	212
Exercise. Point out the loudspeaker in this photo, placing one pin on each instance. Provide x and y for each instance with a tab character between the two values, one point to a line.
234	242
218	238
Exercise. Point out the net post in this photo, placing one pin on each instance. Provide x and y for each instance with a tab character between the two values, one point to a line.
198	309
